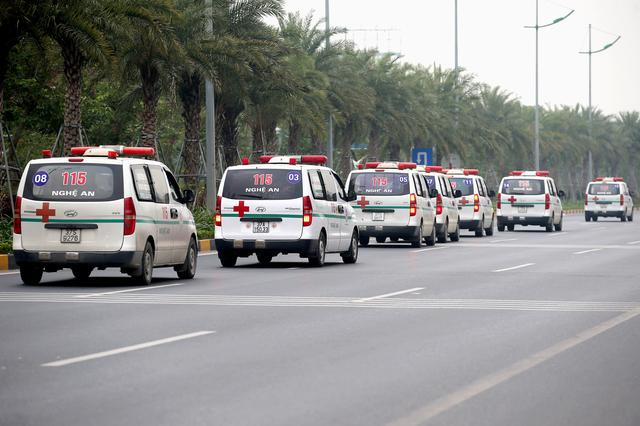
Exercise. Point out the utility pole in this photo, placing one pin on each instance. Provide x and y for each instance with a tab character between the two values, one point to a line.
591	52
327	45
210	138
456	36
536	149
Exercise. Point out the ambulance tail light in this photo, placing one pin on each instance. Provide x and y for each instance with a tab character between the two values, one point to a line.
17	218
218	216
621	200
439	204
476	203
499	201
307	211
547	201
413	205
586	199
129	216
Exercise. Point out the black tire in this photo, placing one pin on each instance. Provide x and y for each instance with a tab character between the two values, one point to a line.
188	269
264	258
31	274
479	229
489	231
317	259
549	226
623	218
228	259
558	227
500	228
430	241
351	255
417	242
364	241
144	275
630	218
511	227
81	272
587	218
456	235
393	239
594	218
381	240
444	235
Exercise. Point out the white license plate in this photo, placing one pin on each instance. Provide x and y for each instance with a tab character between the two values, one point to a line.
378	216
603	206
70	236
260	227
522	209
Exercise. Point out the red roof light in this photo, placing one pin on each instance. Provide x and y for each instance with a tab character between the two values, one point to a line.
516	173
314	159
372	165
403	166
264	159
430	169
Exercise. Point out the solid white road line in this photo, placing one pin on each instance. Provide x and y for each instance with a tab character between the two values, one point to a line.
587	251
127	291
9	273
634	242
382	296
89	357
557	234
207	253
429	249
502	241
445	403
524	265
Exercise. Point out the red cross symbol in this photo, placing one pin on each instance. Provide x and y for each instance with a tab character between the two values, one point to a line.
45	212
596	198
363	202
241	209
511	199
464	201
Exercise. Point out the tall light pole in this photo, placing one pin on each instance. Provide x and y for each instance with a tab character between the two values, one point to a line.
327	44
456	36
536	149
591	52
210	137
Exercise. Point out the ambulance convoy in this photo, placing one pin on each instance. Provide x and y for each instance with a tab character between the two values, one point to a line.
110	207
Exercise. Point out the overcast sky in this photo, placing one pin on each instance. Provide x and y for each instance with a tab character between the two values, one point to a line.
495	47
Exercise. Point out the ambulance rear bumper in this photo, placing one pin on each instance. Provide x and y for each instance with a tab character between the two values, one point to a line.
119	259
388	231
523	220
607	213
248	247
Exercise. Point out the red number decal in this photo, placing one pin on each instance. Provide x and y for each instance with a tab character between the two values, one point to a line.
82	178
268	179
74	178
262	179
65	178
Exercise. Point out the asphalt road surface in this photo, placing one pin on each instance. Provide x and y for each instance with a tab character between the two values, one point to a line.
522	328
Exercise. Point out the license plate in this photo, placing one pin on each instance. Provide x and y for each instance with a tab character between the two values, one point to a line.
260	227
378	216
70	236
522	209
603	206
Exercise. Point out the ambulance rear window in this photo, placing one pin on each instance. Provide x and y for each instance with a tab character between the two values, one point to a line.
604	189
465	185
74	182
523	186
263	184
379	183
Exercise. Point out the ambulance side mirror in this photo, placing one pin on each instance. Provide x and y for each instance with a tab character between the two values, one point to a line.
433	193
561	194
492	193
351	195
188	196
457	193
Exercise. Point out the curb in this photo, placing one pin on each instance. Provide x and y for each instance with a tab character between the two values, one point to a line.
206	245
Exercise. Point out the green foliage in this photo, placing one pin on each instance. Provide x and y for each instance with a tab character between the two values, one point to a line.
6	235
204	223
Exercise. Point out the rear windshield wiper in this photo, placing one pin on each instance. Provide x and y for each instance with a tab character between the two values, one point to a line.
257	197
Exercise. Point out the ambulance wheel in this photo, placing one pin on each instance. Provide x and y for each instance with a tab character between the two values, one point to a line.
393	239
431	239
351	255
456	235
31	274
587	218
549	226
623	218
500	228
594	218
81	272
442	237
381	240
418	241
479	228
630	218
511	227
144	275
558	227
364	241
228	259
188	270
264	258
317	259
489	231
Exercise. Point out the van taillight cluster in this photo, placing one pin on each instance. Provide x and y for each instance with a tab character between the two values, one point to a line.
218	214
586	199
476	203
17	218
439	204
413	205
547	201
499	201
129	216
621	200
307	211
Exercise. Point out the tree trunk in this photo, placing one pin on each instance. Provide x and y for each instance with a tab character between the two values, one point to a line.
295	136
191	107
150	78
227	118
73	63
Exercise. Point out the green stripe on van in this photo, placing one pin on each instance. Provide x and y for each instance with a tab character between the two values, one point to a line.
356	206
37	219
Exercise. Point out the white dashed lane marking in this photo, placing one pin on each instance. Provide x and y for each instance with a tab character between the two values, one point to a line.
512	268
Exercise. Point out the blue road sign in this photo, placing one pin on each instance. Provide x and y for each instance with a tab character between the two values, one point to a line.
422	156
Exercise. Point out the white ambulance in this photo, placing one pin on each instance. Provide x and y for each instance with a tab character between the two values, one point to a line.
529	198
447	213
285	204
393	201
608	197
474	202
102	209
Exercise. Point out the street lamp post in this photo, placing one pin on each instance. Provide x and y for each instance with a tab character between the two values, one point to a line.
591	52
536	150
330	118
210	135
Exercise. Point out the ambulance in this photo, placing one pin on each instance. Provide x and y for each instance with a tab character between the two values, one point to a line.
474	202
104	207
444	196
608	197
284	204
393	201
529	198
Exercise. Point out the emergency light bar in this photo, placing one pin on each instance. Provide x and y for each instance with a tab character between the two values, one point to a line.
465	172
544	173
294	159
392	165
105	150
372	165
609	179
431	169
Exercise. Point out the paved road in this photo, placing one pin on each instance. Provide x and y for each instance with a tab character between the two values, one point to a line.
523	328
